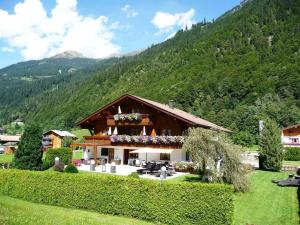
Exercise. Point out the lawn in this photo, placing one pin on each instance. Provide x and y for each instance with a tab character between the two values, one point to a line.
80	133
19	212
6	158
267	203
291	163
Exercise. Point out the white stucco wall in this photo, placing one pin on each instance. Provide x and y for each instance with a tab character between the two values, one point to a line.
119	154
178	155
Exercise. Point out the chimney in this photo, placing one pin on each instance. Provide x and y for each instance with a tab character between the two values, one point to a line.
171	104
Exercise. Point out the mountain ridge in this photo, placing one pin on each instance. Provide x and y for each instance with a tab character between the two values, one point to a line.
241	68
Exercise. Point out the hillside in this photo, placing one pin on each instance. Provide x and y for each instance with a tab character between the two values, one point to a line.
242	67
25	80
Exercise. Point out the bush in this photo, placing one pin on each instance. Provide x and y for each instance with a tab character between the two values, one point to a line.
71	169
270	147
292	154
64	155
28	155
167	203
134	175
187	167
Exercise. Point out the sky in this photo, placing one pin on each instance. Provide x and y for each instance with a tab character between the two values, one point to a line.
36	29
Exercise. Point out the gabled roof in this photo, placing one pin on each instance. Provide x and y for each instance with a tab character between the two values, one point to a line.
290	127
61	133
179	114
10	138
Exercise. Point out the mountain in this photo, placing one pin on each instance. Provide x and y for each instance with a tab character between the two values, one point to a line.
68	55
233	71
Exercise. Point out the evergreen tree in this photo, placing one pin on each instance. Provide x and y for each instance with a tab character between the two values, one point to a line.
29	154
270	147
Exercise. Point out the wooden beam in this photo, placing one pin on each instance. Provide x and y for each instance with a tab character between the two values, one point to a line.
95	153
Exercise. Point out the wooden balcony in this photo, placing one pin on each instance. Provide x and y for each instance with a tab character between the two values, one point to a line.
145	121
101	140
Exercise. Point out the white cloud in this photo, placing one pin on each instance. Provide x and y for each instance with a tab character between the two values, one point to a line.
37	35
129	11
6	49
167	22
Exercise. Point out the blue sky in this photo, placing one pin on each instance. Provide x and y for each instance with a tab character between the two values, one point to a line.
35	29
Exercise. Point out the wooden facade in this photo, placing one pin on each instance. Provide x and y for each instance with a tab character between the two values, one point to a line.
143	123
291	136
56	139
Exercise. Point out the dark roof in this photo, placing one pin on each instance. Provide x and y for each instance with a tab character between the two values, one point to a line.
179	114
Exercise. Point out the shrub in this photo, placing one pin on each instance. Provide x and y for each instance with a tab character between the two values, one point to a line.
28	155
187	167
292	154
134	175
166	203
270	147
64	155
71	169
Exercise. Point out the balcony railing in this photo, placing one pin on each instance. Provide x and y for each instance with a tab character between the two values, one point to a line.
136	141
124	120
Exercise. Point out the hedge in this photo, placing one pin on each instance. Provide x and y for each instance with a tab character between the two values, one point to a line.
167	203
292	154
64	154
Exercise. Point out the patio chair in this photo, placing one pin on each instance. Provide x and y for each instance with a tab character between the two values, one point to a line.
137	163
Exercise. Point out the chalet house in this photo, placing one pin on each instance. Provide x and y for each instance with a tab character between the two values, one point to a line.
55	138
290	136
8	143
134	127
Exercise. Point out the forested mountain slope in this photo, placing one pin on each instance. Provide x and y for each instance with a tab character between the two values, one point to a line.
24	80
242	67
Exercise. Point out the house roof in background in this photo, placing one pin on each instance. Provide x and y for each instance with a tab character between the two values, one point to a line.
61	133
10	138
292	126
179	114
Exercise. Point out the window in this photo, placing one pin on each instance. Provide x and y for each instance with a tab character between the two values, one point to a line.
165	156
294	140
104	151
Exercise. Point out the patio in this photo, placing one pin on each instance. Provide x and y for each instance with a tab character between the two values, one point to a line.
125	170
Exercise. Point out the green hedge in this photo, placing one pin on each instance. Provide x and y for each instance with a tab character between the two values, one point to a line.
169	203
292	154
64	154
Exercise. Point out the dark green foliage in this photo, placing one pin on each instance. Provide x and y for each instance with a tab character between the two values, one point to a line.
270	147
67	141
134	175
176	203
244	138
227	72
292	154
71	169
29	154
64	154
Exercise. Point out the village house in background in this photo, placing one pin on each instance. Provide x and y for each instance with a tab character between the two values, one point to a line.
290	136
132	127
55	138
9	143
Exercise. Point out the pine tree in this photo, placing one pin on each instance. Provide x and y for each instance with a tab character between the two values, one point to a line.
29	154
270	147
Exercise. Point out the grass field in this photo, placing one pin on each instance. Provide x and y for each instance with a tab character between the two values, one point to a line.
291	163
6	158
18	212
80	133
267	203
